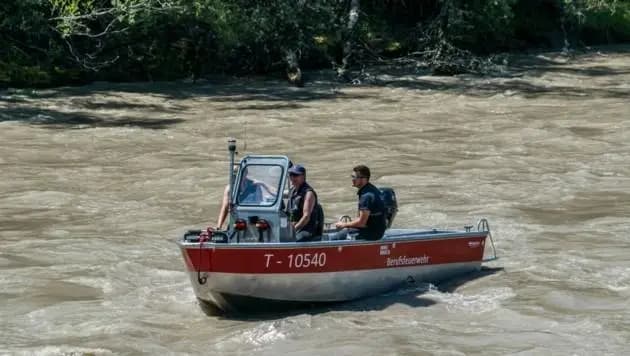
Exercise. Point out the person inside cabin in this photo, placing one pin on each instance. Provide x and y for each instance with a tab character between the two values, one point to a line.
250	192
370	223
302	206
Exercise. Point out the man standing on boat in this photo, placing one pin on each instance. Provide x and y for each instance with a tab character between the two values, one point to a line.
301	206
370	224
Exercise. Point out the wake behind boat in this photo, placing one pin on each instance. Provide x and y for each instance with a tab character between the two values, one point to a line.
256	263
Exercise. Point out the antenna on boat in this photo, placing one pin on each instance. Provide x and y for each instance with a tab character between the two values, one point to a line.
232	149
245	136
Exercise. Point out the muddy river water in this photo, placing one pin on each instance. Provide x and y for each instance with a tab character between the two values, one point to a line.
97	183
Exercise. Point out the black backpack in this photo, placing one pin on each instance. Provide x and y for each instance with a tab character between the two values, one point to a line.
318	215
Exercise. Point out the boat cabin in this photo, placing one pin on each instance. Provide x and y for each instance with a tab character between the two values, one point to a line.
259	188
257	204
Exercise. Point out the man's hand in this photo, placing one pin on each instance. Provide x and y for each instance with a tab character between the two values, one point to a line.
340	225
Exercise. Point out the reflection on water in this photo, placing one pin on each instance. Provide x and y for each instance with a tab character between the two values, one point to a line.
97	182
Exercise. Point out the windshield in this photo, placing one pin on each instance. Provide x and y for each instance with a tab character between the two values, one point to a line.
259	185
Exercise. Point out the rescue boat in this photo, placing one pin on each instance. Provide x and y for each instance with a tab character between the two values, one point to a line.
255	264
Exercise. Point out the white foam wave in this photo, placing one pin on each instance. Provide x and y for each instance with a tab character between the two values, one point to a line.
263	334
489	300
63	350
411	289
616	279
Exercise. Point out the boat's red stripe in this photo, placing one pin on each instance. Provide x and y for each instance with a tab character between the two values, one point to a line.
334	258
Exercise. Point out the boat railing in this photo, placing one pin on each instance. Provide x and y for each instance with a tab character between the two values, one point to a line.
484	225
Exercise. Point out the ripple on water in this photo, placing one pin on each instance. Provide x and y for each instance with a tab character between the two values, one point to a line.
62	350
582	302
615	278
262	334
490	299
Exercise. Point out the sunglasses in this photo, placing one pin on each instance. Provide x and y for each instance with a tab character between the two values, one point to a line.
356	176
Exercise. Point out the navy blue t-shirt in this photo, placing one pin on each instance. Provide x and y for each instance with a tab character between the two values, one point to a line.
370	199
250	192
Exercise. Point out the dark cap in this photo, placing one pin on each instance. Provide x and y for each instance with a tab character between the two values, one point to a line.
297	169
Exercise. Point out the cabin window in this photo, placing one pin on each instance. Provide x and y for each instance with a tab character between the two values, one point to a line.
259	185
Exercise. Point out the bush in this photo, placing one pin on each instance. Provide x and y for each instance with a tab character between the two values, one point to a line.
606	24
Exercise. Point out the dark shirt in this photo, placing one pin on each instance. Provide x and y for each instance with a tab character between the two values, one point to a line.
370	199
251	193
295	208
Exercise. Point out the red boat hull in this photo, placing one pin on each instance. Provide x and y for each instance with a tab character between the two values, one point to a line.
229	276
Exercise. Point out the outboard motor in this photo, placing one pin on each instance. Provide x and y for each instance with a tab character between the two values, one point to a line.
391	205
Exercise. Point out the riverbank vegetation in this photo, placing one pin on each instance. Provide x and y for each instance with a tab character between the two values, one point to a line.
64	42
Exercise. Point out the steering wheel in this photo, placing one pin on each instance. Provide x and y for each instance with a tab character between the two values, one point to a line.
345	219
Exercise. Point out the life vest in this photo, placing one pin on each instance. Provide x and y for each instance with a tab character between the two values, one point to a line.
295	209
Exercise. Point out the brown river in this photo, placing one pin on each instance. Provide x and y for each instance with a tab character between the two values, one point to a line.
98	182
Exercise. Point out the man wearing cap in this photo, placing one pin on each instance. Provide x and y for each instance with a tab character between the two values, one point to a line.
370	224
301	205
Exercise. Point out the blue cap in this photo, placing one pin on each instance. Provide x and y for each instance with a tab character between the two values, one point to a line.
297	169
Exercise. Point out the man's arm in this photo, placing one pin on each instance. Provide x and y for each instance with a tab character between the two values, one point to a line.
270	190
359	222
309	204
364	213
223	213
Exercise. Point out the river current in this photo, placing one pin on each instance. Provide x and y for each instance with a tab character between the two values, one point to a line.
97	183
